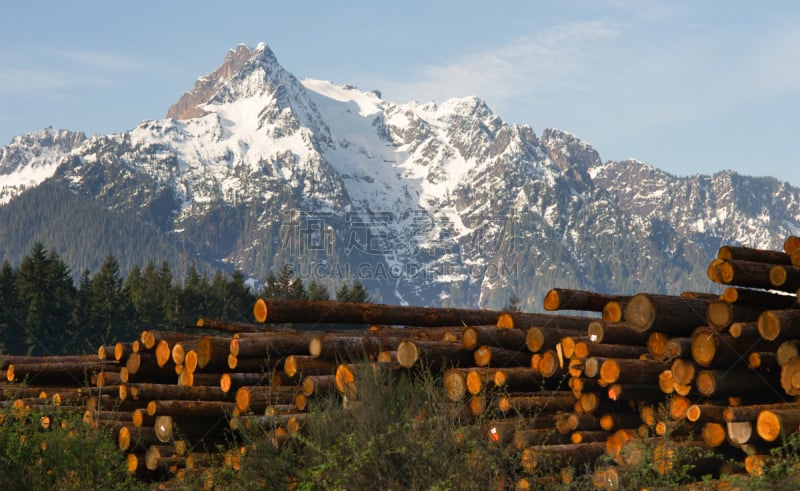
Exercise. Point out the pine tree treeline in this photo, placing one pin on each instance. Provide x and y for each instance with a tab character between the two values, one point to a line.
43	312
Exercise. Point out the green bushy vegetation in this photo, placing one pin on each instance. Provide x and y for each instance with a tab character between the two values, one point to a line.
51	448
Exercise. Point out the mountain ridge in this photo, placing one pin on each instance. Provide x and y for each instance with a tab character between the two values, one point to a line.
424	203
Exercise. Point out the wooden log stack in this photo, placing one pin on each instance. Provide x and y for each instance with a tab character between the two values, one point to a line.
710	371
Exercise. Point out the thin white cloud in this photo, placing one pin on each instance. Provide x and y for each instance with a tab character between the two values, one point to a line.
45	82
99	60
527	64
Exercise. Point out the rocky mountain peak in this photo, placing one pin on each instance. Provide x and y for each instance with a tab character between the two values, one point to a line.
188	106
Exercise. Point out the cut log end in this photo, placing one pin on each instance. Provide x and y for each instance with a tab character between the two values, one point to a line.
260	310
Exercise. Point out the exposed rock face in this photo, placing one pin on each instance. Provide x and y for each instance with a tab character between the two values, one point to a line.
188	106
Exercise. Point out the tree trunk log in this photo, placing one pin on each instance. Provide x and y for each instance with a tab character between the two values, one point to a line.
605	332
721	314
729	252
200	409
744	330
532	405
666	313
773	423
232	327
779	324
585	349
300	365
498	357
631	371
539	339
723	383
148	392
759	298
230	382
433	354
274	344
718	349
280	311
510	339
569	299
554	457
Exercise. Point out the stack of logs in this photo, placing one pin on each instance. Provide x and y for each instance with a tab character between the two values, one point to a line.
710	371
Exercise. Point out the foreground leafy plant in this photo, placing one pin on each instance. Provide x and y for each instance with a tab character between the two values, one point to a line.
51	448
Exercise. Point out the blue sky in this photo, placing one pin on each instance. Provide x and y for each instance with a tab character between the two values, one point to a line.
689	87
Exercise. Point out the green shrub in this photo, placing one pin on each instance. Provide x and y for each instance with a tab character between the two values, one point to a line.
64	454
395	432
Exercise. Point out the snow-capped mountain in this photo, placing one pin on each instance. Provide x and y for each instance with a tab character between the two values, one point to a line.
424	203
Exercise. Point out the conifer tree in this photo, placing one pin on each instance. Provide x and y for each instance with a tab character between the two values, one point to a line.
10	312
317	291
352	293
47	295
111	309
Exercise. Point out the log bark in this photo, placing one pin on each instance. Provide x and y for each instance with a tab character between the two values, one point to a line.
517	379
479	379
230	382
678	348
150	338
631	371
750	412
273	345
131	438
55	372
535	404
525	321
666	313
723	383
150	391
212	352
763	361
300	365
510	339
570	299
704	413
774	423
779	324
745	330
759	298
317	385
352	346
785	278
605	332
256	398
721	314
554	457
252	365
188	408
232	327
433	354
280	311
749	274
711	348
728	252
485	355
585	349
539	339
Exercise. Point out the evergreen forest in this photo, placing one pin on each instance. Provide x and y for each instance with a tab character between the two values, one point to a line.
44	312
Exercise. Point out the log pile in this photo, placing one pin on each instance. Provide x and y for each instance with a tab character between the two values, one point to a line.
710	371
